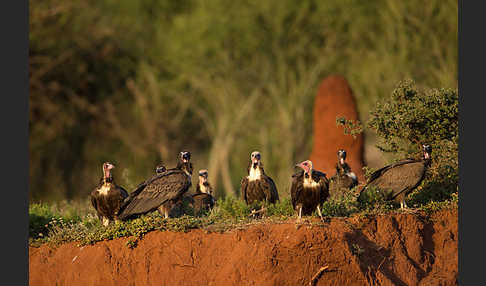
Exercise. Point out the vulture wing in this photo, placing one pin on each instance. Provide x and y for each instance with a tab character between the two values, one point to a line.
123	192
296	188
93	200
397	178
243	188
202	201
270	189
381	171
149	196
323	183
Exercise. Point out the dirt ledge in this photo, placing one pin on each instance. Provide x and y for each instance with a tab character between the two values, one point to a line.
396	249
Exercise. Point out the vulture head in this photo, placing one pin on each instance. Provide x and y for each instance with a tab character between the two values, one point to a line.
341	156
255	159
107	176
184	162
427	149
203	176
160	168
306	166
203	181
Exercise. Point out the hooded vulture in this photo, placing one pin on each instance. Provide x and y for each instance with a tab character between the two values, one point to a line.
257	186
344	179
108	197
309	190
160	192
203	199
397	180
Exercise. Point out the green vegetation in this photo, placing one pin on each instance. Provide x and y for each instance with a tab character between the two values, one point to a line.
408	117
413	116
219	78
56	226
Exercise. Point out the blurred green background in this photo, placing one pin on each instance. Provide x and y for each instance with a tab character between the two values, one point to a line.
135	82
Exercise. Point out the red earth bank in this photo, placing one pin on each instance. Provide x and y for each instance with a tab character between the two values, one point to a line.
396	249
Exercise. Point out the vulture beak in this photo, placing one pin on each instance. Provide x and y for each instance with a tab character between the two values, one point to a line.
301	165
255	158
306	166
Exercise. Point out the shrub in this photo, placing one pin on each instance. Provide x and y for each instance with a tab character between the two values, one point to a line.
411	117
340	207
282	208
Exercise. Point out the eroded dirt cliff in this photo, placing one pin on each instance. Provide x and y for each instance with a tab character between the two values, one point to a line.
392	249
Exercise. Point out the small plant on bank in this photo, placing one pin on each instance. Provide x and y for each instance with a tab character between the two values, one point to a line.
342	206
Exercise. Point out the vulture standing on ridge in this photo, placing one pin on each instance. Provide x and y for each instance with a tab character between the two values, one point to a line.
160	192
107	198
309	190
344	179
203	199
397	180
257	186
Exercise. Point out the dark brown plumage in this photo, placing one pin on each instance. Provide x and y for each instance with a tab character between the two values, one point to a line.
203	199
397	180
108	197
161	191
309	190
344	179
257	186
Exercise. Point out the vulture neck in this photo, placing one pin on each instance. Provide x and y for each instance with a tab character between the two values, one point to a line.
254	173
203	187
308	181
108	181
186	167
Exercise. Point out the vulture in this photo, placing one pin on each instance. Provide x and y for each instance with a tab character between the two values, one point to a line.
108	197
309	189
203	199
161	192
257	186
344	179
397	180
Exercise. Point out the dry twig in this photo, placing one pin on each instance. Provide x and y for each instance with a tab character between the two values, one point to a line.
254	212
317	275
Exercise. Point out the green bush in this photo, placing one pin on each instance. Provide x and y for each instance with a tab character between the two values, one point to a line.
341	206
413	116
282	208
42	217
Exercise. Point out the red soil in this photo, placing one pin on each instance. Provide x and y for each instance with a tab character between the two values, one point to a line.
335	99
396	249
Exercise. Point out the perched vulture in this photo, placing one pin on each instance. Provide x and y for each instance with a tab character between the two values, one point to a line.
203	199
108	197
257	186
160	192
397	180
309	190
344	179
